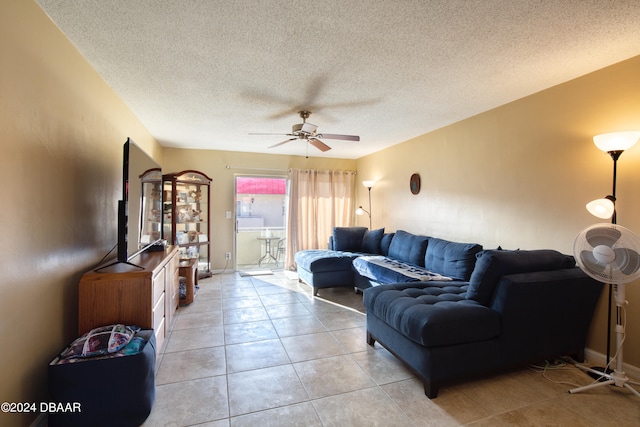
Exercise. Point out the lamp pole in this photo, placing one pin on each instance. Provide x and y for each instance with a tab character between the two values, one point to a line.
369	185
615	155
369	188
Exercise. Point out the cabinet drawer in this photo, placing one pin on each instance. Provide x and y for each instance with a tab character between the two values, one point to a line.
158	286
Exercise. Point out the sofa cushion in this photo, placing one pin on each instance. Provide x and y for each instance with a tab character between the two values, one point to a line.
451	259
493	264
408	248
348	238
432	314
371	241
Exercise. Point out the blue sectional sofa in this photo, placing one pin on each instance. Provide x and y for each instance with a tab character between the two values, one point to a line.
453	310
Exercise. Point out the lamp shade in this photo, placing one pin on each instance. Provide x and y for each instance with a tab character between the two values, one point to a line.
369	184
616	141
601	208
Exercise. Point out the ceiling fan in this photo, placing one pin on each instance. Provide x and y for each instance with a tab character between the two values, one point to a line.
308	132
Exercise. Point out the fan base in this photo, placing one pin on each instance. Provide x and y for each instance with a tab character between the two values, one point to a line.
597	376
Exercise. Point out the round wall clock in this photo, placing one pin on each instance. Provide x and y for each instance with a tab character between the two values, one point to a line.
414	183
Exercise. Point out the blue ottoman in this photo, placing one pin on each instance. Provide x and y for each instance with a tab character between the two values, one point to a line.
104	391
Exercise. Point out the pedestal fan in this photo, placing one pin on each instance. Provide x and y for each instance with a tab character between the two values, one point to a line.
610	254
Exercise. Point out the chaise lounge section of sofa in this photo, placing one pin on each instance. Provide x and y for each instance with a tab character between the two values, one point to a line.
518	307
333	267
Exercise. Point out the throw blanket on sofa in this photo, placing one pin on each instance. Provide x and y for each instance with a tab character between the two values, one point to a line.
362	265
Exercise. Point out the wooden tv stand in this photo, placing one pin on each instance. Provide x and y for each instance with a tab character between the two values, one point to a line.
121	293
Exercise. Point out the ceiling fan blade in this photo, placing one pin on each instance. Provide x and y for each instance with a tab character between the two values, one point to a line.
319	144
283	142
260	133
337	136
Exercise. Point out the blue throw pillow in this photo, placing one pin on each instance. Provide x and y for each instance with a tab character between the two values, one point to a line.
348	239
371	241
491	265
408	248
385	242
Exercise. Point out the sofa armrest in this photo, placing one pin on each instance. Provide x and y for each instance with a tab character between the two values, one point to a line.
545	313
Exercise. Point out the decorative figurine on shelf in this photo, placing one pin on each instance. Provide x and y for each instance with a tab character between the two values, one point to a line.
192	252
195	215
184	215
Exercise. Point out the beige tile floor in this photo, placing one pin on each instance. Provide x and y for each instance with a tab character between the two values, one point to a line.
260	351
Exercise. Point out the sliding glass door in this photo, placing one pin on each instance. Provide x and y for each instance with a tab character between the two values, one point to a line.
261	219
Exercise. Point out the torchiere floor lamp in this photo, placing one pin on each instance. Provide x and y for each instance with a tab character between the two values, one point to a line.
361	211
614	144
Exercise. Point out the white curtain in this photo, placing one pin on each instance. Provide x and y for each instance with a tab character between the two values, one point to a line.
318	201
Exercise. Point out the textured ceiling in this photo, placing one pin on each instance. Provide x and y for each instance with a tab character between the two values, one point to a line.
206	73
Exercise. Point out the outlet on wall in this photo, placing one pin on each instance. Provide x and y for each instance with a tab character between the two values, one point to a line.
227	256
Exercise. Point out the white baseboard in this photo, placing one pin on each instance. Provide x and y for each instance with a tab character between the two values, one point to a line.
598	359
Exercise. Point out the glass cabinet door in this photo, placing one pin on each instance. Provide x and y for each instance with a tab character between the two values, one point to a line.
185	219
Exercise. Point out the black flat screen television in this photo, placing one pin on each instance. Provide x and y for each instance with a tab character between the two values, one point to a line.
135	162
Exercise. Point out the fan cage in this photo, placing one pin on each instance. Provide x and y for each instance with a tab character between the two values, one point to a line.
624	268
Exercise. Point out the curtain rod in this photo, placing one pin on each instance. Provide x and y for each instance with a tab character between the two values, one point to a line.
271	169
257	169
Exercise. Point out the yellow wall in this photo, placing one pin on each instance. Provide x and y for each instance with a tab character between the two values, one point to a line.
62	134
519	175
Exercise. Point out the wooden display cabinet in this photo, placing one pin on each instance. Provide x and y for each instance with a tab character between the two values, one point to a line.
185	218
